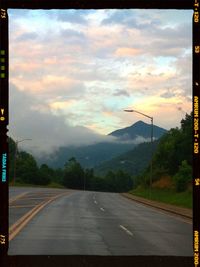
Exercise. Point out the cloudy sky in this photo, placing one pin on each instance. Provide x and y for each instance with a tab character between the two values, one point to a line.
73	72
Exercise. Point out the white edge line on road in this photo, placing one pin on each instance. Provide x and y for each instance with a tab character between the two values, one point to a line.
102	209
126	230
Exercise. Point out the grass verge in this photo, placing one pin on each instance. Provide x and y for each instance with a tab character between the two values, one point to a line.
51	185
183	199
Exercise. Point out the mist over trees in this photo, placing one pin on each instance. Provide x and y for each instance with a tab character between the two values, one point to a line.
172	161
24	169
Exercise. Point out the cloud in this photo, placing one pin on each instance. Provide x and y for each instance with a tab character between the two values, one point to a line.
169	94
126	139
164	37
117	17
59	105
127	51
50	86
79	59
129	18
27	36
72	16
121	92
47	131
72	38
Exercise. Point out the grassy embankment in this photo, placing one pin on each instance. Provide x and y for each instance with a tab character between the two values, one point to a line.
51	185
169	196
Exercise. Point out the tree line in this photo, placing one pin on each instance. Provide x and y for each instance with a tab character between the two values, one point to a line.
77	178
23	169
172	158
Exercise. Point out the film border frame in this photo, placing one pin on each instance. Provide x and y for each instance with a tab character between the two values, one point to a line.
4	92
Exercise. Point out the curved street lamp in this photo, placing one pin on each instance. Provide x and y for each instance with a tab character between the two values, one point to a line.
151	118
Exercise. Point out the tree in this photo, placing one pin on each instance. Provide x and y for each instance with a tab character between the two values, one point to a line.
73	174
124	181
98	184
26	168
110	181
119	181
58	176
45	175
167	155
89	179
183	176
174	147
186	141
173	156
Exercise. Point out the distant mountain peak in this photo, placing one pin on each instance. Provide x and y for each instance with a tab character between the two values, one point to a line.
139	128
139	123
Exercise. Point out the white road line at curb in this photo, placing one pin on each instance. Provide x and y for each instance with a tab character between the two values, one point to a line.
126	230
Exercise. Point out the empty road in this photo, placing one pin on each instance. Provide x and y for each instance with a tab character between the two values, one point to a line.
67	222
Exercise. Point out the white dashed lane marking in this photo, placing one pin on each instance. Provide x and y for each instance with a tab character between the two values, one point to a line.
126	230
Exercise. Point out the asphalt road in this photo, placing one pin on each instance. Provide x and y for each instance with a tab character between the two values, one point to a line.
94	223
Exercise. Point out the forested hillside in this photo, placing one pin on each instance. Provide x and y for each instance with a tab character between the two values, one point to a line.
133	162
172	166
172	161
90	156
24	170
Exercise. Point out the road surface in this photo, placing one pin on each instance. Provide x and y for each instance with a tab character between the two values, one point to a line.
93	223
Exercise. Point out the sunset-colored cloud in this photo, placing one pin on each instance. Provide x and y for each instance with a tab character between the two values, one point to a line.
108	113
127	51
50	85
84	67
62	105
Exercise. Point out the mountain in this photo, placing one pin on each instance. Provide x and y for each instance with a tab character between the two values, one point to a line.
134	161
139	128
90	156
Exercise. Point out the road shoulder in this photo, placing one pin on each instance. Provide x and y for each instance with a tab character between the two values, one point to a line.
187	213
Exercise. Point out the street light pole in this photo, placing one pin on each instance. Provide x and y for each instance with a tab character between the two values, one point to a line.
15	158
151	118
151	155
